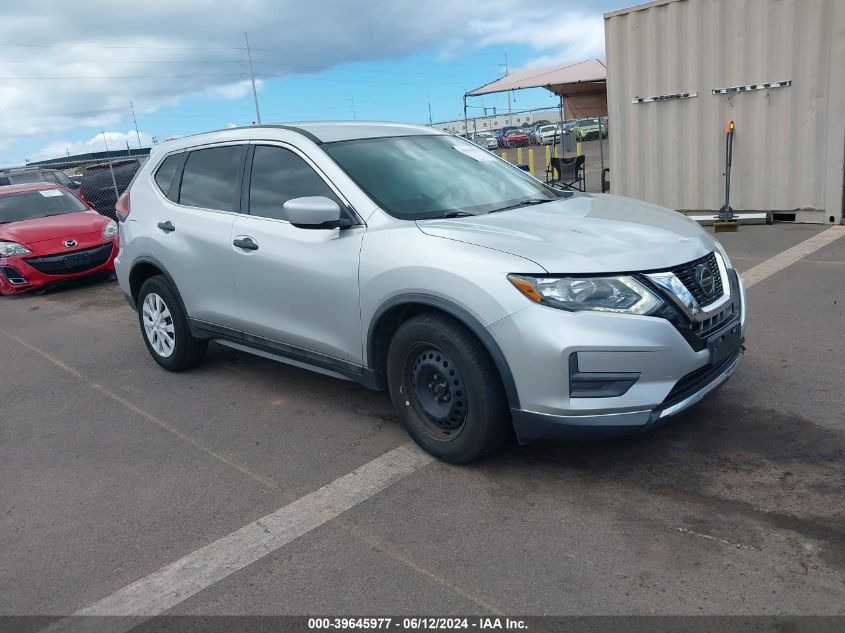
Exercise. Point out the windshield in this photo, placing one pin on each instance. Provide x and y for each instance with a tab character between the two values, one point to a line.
430	176
28	205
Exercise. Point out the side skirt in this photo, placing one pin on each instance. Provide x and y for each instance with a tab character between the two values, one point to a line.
284	353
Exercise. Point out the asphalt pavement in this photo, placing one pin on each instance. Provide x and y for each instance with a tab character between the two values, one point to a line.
111	469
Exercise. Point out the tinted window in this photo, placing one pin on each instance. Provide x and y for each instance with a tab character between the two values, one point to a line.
99	182
166	171
27	205
63	180
279	175
210	178
25	176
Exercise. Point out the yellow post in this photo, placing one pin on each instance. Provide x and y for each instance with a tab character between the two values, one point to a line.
505	155
557	150
548	155
578	150
519	156
531	161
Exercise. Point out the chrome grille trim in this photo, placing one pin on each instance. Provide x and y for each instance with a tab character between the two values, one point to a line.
684	299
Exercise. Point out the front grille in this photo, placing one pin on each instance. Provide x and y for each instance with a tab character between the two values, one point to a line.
686	274
705	328
73	261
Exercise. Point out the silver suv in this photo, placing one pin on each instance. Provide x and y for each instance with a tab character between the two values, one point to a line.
407	259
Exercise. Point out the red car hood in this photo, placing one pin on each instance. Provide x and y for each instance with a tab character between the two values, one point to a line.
64	226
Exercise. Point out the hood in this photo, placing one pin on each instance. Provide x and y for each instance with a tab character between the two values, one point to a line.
584	234
66	225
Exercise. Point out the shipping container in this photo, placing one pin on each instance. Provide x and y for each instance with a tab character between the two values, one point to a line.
679	70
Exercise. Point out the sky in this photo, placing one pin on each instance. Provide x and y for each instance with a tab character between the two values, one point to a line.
68	72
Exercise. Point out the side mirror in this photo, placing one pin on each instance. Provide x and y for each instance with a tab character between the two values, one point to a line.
314	212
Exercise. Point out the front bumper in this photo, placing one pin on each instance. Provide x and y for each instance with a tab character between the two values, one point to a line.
18	275
656	371
530	425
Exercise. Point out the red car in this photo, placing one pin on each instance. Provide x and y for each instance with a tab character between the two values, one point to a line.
47	234
515	138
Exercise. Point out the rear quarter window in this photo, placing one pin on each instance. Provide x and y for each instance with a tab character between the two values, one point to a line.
166	172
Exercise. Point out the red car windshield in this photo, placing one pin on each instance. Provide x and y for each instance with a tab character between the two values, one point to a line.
28	205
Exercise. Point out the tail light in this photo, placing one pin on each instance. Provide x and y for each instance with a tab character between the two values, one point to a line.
122	207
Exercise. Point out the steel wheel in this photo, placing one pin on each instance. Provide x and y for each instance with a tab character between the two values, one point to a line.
158	325
438	392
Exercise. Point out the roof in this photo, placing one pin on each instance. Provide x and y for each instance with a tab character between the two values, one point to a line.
28	186
330	131
577	78
639	7
317	131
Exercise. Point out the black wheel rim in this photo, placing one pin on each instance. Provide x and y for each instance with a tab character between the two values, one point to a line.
438	391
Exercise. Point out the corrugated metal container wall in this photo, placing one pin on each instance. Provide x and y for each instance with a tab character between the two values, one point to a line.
789	143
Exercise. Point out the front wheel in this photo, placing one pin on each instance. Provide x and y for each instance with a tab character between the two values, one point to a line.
446	389
164	325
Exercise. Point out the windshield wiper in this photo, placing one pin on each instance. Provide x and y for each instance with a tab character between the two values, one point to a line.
528	202
455	214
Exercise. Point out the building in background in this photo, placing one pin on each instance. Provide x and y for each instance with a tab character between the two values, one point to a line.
70	162
679	70
497	121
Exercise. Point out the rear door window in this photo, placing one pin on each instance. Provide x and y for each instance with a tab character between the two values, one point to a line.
211	176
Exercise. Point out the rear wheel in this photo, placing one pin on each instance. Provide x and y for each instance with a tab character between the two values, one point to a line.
446	389
164	326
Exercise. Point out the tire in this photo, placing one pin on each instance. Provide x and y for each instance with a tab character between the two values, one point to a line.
458	422
168	338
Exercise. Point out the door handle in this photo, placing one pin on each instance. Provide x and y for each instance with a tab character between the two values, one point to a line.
246	243
166	226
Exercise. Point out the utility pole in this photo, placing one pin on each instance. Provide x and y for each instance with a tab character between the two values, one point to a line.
352	101
135	121
252	75
429	109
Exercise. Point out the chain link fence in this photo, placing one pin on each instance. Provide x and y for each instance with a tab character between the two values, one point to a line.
98	183
575	154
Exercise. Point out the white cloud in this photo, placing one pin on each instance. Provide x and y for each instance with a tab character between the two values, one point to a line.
116	141
237	90
82	71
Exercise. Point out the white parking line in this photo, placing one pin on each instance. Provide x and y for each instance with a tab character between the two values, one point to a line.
788	257
178	581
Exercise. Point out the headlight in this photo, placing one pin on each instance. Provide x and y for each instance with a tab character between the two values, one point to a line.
110	230
10	249
604	294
